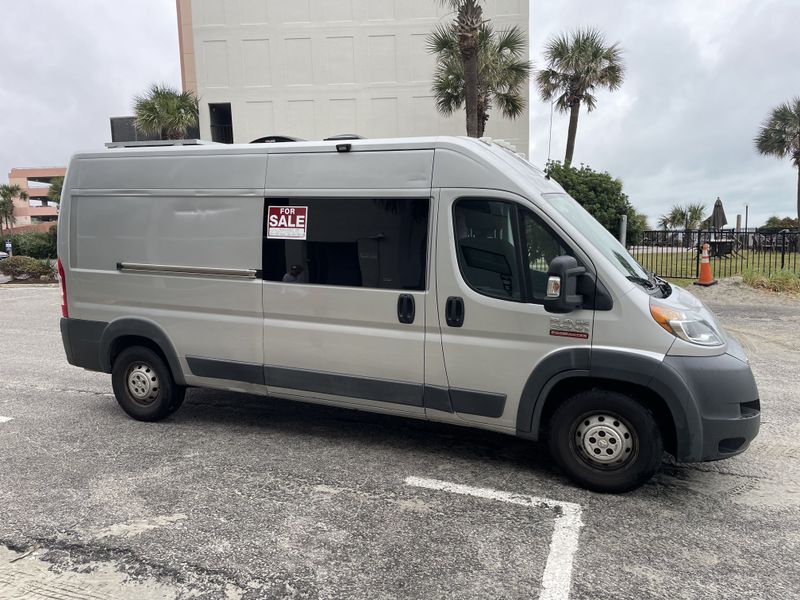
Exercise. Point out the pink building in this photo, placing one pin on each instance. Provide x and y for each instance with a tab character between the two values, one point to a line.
37	213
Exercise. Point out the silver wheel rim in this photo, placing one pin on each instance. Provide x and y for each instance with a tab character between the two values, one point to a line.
143	384
604	440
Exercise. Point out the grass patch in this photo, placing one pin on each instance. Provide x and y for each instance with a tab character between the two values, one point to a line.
680	282
682	264
777	281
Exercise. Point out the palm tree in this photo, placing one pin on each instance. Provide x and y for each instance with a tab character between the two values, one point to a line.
503	72
780	136
467	24
577	64
684	216
165	112
7	194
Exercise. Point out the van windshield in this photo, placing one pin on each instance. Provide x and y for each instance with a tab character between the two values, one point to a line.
606	243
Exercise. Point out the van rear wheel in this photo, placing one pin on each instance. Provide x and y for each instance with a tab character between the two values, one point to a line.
144	386
605	441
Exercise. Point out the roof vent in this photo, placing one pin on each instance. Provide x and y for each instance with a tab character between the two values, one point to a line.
276	139
343	136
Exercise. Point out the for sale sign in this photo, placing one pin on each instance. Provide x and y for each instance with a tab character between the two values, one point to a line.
287	222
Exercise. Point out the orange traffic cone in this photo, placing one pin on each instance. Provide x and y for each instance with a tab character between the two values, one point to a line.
706	276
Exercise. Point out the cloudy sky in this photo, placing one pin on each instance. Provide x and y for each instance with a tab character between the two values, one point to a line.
66	67
702	74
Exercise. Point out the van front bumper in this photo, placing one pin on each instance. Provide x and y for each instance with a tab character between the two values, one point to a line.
728	410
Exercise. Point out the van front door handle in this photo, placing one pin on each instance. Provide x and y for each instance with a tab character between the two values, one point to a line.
454	311
406	309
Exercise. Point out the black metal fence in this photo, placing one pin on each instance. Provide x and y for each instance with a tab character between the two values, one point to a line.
677	253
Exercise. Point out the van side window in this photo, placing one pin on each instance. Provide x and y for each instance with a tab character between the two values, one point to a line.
353	242
487	247
504	250
542	246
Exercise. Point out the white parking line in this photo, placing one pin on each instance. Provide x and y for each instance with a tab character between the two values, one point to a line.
557	576
5	419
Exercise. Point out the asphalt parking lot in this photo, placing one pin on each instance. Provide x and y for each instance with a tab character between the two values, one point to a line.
243	497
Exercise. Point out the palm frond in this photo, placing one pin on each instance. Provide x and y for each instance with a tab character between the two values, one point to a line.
779	134
162	110
576	64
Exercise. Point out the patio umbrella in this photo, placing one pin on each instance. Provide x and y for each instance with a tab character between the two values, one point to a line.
718	218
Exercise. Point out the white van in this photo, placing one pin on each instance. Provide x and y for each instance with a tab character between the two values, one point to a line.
437	278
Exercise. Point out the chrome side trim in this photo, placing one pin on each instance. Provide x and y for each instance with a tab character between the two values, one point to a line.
127	267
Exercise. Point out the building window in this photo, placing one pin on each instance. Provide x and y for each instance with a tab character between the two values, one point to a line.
352	242
221	122
504	250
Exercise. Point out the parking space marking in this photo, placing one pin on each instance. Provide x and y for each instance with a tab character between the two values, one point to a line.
557	576
5	419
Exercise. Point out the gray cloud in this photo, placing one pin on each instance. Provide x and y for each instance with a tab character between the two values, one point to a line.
701	78
66	67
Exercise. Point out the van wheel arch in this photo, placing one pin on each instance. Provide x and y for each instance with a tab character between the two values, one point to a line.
571	386
124	333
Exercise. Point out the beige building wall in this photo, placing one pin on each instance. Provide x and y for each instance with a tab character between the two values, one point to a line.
315	68
37	207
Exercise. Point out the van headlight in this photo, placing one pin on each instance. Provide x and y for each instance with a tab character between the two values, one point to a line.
693	326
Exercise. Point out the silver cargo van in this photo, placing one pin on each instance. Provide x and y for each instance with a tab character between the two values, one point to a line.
437	278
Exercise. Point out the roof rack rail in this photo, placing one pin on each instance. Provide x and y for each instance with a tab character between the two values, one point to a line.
153	143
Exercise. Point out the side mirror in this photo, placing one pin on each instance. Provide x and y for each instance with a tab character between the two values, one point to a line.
562	283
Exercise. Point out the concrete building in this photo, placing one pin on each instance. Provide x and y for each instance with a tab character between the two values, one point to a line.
315	68
36	213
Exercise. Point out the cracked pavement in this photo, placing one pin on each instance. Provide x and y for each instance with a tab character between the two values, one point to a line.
243	497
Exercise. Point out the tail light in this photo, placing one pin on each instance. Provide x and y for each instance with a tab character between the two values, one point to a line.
63	281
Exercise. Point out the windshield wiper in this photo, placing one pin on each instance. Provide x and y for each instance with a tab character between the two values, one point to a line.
645	283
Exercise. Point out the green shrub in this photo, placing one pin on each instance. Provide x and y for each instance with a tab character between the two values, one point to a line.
48	267
777	281
35	245
25	267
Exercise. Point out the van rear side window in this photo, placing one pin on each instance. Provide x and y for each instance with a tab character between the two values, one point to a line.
352	242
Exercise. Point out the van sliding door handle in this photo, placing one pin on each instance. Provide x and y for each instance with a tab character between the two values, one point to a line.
454	311
406	309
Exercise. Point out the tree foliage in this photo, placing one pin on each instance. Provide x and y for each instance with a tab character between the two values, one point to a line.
601	195
503	71
56	185
577	64
166	112
779	136
782	223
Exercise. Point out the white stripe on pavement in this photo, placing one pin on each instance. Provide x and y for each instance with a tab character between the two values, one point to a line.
557	576
6	419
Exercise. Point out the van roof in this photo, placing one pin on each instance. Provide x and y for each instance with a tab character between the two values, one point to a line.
486	153
358	145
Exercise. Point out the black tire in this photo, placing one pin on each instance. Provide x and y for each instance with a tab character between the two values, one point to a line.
605	441
143	385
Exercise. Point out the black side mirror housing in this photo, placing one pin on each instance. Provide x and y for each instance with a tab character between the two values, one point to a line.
562	296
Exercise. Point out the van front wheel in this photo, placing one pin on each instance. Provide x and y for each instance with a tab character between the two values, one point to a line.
143	385
605	441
